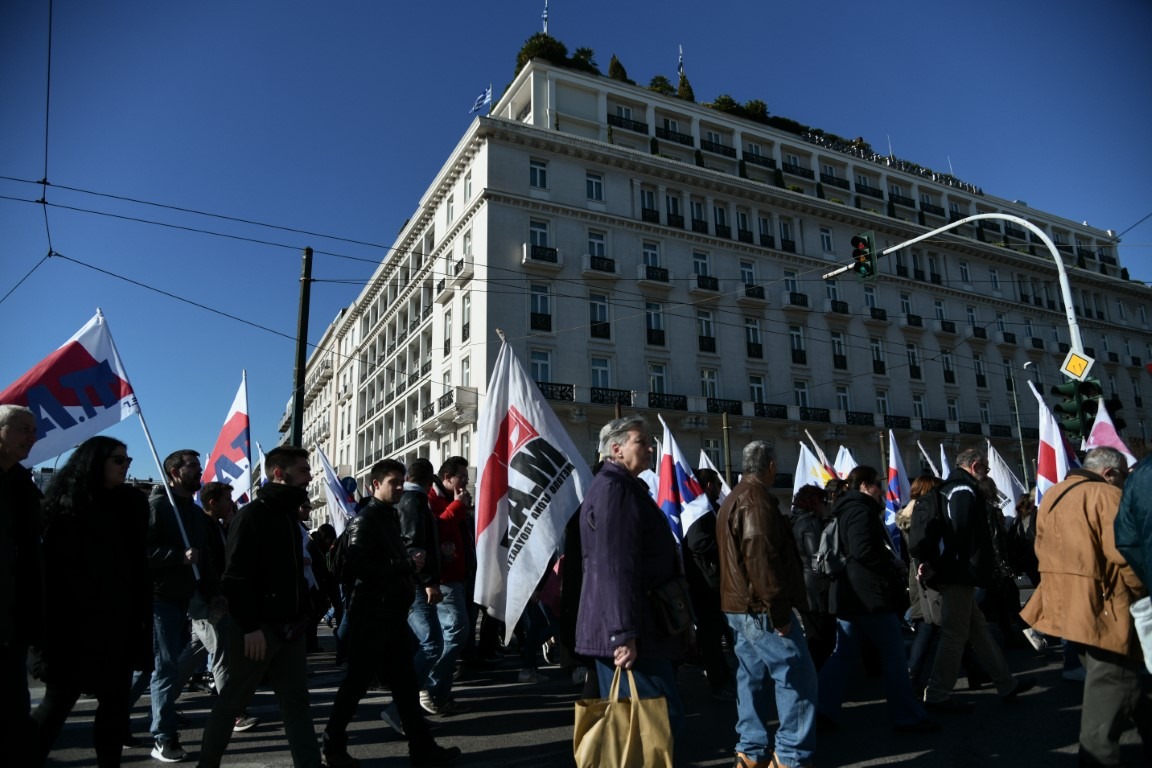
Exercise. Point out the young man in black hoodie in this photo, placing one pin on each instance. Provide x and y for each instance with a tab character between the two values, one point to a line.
269	603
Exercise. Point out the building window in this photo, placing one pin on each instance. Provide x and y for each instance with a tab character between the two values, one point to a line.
832	289
953	410
752	330
877	347
1120	311
648	199
965	275
796	335
870	297
753	148
913	356
994	279
671	124
882	402
1055	332
450	208
700	263
541	299
720	215
905	304
837	340
596	244
756	388
985	412
538	233
786	230
541	365
654	316
465	373
970	312
601	372
594	184
938	307
650	252
946	360
709	383
800	393
704	325
598	316
826	240
468	186
538	174
843	401
747	273
672	203
918	406
790	283
623	111
697	208
1000	322
466	242
657	375
712	450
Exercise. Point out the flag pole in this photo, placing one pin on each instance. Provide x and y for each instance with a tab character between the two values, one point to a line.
167	489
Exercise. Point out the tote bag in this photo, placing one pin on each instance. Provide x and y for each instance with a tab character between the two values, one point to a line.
622	733
1141	611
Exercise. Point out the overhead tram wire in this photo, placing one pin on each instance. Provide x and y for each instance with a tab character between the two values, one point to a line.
47	122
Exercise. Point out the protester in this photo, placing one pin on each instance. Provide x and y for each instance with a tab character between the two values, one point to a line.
628	550
924	610
97	587
761	588
1084	594
21	596
867	599
268	598
808	515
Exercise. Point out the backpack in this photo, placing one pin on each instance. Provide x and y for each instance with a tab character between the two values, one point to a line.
929	526
338	562
831	559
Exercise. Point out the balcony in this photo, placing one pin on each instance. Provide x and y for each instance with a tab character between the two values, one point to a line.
648	276
859	419
914	372
1135	361
539	321
1113	357
628	124
767	241
901	270
465	331
949	376
426	368
1006	338
462	270
755	350
1063	347
607	396
600	330
770	411
879	368
981	380
752	296
664	401
799	357
1011	231
999	430
553	391
706	343
796	170
656	337
835	307
675	220
676	136
650	215
760	160
428	411
864	189
970	428
945	327
834	181
731	407
935	278
918	274
897	422
976	332
815	414
598	266
1037	343
1030	433
988	224
933	425
443	291
840	362
935	210
723	230
912	323
876	316
706	286
794	300
788	245
718	148
744	235
542	258
907	202
700	226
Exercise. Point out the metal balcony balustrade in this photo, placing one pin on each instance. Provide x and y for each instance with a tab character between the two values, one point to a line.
970	428
918	274
670	135
609	396
650	215
659	274
539	321
979	332
602	264
676	220
999	430
543	253
655	336
897	422
755	350
718	148
760	160
901	200
744	235
935	278
767	241
731	407
707	282
601	330
796	170
815	414
914	321
859	418
554	391
770	411
447	399
723	230
991	226
753	291
834	181
700	226
981	380
840	362
933	425
864	189
799	357
935	210
628	123
665	400
706	343
878	313
878	367
788	245
949	376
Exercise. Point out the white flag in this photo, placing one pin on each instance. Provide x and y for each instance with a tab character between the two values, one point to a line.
724	488
1104	435
845	462
530	483
1009	486
341	506
809	471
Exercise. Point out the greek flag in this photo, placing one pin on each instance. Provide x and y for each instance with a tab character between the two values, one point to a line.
485	97
680	66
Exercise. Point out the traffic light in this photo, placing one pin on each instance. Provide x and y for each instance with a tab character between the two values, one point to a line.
864	255
1113	406
1078	409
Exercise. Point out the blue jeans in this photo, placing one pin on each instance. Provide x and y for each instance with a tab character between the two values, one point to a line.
425	623
169	636
762	654
654	677
883	629
452	612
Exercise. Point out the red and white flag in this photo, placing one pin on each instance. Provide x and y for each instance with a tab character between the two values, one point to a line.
531	481
231	459
1104	435
78	391
677	487
1056	456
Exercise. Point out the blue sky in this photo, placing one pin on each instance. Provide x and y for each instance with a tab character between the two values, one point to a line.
333	118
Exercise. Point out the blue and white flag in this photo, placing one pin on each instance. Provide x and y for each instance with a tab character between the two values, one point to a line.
544	17
341	505
485	97
680	66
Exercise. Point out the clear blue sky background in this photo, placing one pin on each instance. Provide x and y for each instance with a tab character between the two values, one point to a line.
334	117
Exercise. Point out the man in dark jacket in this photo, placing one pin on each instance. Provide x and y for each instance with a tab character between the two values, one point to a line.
1133	526
761	588
967	562
21	608
269	603
178	552
379	640
702	568
628	550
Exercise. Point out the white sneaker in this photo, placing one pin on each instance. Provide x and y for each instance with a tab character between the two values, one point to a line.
1037	640
579	675
428	704
391	715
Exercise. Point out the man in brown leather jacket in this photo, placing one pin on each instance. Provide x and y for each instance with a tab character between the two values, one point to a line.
761	585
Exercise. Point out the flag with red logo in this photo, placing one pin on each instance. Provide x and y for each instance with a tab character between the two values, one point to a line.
531	480
231	458
898	490
678	487
1104	435
1056	455
76	392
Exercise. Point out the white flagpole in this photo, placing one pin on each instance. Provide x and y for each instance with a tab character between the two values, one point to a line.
928	459
167	490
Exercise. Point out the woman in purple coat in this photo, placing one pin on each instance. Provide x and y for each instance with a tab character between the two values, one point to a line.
628	549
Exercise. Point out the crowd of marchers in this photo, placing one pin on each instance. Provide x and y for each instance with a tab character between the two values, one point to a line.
110	593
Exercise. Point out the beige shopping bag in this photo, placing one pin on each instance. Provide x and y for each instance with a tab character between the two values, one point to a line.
622	733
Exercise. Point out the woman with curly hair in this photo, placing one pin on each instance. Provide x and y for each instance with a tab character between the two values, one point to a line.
97	594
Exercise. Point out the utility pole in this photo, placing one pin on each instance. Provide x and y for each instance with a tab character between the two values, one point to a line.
301	351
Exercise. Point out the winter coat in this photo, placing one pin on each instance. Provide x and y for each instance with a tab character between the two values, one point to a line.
760	569
451	517
1085	586
419	529
21	588
871	582
806	529
172	579
1134	522
377	564
969	557
627	550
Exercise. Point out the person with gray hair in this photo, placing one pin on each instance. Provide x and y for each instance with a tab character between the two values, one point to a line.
968	561
761	588
21	588
1085	590
628	551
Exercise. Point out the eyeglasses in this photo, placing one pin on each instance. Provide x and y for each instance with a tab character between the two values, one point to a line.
121	460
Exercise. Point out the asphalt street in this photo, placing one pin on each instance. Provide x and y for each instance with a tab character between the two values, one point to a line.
511	724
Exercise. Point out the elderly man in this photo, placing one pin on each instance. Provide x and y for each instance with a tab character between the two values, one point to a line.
761	587
21	614
967	562
1083	596
628	550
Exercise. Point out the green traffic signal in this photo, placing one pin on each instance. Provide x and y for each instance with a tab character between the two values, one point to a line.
864	255
1079	406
